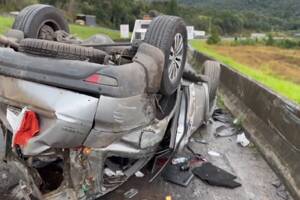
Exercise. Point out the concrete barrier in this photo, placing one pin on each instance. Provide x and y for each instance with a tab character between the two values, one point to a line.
272	122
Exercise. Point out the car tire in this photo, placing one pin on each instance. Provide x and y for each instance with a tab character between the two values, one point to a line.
212	70
40	21
169	34
61	50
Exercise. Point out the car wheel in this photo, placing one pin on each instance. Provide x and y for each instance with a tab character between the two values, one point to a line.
169	34
40	21
212	70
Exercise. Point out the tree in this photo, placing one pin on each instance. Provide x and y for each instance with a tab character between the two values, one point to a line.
229	23
172	8
214	38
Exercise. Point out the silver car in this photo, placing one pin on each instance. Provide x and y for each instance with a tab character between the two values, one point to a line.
79	117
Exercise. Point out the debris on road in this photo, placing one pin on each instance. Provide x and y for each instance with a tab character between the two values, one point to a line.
131	193
225	131
108	172
221	116
236	121
174	174
197	140
242	140
280	190
179	160
215	176
139	174
214	153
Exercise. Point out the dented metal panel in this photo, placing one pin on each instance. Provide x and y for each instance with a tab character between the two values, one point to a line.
117	116
65	117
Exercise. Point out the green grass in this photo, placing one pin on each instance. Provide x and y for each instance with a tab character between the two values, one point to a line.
82	32
281	86
5	24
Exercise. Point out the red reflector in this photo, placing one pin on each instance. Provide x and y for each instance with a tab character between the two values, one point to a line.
29	128
95	78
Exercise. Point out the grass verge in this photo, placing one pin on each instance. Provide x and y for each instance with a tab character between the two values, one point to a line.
5	24
283	87
82	32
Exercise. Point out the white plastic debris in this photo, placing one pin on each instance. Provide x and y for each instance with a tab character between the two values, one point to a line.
119	173
130	193
214	153
179	160
236	121
108	172
242	140
139	174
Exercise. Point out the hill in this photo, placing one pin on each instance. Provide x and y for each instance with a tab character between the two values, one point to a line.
283	9
254	15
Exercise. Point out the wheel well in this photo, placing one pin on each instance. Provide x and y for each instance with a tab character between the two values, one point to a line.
50	23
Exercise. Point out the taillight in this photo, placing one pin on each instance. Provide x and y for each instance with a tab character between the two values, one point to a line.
95	78
101	80
28	128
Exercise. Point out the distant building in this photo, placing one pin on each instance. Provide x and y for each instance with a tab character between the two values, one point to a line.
258	35
199	34
297	35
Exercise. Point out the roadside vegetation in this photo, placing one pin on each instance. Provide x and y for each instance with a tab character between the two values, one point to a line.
288	43
276	68
82	32
5	24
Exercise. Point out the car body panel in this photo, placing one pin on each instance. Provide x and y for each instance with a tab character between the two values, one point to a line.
85	124
65	117
140	76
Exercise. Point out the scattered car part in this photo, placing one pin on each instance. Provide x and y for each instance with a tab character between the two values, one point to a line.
175	174
169	34
225	131
130	193
198	140
220	115
215	176
60	50
40	21
242	140
214	153
139	174
179	160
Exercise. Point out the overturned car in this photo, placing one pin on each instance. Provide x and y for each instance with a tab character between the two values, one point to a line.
72	109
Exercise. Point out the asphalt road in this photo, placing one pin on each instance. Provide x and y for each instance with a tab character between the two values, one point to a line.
256	177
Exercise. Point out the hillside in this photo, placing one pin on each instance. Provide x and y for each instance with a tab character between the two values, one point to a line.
282	9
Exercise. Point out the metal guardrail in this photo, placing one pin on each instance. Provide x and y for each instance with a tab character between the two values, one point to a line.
272	122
